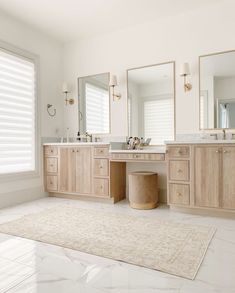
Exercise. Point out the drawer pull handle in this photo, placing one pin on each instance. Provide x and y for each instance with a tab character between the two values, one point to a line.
51	151
101	167
101	151
179	194
225	151
73	151
179	171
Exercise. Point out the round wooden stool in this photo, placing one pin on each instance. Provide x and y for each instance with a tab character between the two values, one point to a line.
143	190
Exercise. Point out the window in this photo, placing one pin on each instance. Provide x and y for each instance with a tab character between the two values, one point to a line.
97	109
17	113
158	121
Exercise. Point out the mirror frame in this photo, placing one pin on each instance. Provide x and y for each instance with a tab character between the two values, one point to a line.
174	95
199	68
79	99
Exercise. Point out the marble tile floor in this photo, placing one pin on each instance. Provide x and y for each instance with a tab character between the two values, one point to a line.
27	266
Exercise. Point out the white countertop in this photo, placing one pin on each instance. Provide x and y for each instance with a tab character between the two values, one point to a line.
202	141
77	143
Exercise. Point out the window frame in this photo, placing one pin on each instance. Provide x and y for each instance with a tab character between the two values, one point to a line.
11	49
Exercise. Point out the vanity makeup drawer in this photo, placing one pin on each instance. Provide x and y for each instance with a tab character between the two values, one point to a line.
178	151
51	165
138	156
51	150
179	170
179	194
101	186
51	183
101	152
101	167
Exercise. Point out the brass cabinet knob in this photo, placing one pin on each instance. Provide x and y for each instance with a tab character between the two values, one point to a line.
179	171
179	194
225	151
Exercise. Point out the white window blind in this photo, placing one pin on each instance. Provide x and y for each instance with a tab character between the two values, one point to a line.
159	120
97	109
17	114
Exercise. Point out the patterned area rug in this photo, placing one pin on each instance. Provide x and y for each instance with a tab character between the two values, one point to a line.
167	246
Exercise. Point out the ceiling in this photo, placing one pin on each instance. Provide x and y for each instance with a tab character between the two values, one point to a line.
68	20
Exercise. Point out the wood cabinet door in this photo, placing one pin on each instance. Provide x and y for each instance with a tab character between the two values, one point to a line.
228	197
207	176
83	170
63	169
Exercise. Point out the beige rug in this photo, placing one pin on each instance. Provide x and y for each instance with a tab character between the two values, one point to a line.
167	246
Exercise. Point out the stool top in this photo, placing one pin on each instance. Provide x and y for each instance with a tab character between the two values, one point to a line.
143	173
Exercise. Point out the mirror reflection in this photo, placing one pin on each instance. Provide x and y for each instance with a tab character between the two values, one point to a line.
151	103
217	90
94	107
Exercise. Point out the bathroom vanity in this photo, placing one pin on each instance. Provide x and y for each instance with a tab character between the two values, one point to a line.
91	170
201	175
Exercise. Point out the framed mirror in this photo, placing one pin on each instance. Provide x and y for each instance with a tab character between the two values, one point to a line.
217	90
94	104
151	102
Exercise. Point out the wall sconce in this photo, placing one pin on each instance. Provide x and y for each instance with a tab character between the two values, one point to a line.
113	83
185	71
66	92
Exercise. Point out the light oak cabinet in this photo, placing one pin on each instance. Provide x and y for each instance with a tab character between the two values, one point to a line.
75	169
201	176
207	176
72	171
228	171
179	174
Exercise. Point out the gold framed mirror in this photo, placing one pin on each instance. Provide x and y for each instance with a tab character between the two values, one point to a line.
217	91
151	102
94	104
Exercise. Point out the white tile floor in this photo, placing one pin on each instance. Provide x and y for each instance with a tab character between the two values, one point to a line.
27	266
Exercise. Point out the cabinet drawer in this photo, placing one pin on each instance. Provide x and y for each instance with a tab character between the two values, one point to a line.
101	152
178	151
51	183
51	165
101	167
101	186
179	170
179	194
51	150
138	157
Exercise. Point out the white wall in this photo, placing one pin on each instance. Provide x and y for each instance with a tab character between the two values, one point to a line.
182	38
50	62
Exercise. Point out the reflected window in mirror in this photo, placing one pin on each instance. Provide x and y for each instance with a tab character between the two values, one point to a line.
94	104
151	102
217	90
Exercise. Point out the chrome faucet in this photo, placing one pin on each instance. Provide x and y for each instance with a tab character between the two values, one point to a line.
224	134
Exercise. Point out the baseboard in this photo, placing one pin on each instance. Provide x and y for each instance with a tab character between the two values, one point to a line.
20	196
